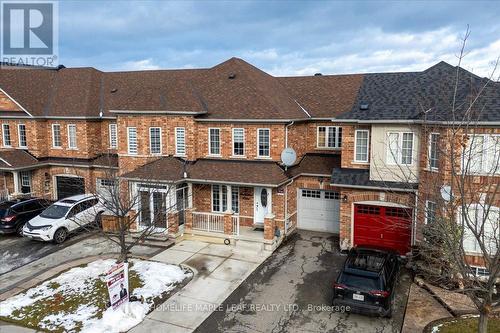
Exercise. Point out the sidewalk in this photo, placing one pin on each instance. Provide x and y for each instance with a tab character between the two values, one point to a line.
219	270
421	309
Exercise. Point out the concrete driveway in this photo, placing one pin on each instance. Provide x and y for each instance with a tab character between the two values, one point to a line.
18	251
288	292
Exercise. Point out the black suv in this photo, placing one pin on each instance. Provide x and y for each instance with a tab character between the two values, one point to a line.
15	213
367	281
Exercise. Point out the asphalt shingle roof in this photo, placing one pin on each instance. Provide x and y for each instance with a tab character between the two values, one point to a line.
361	177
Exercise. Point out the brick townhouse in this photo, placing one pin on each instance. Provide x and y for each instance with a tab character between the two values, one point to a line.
215	135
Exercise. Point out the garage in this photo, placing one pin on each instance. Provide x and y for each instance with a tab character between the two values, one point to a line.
385	226
68	186
318	210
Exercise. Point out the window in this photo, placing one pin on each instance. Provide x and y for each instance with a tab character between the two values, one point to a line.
56	136
433	151
180	141
238	142
311	194
235	199
480	218
21	131
430	212
155	140
25	177
332	195
263	143
6	135
361	147
214	141
219	198
482	154
72	136
132	140
400	148
480	271
329	137
113	136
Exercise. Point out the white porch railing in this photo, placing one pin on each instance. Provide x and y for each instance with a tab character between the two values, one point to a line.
236	224
208	222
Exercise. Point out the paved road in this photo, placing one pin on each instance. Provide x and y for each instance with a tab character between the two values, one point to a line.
18	251
287	292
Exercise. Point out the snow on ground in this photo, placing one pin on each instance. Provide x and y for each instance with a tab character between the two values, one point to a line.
157	278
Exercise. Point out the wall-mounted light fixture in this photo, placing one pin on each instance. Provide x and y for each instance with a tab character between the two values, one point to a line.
344	198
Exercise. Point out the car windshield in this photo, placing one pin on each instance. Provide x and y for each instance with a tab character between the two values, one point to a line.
55	212
360	282
3	212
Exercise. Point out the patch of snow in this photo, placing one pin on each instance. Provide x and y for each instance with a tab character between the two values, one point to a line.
157	278
436	329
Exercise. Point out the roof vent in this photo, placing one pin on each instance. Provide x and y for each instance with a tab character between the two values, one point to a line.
231	76
364	106
114	90
318	74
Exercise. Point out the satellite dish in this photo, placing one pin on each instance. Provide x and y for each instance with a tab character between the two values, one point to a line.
288	156
446	192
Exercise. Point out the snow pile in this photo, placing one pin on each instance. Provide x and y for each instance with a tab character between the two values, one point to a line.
156	279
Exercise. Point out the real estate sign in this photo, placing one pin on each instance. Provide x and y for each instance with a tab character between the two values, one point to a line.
117	281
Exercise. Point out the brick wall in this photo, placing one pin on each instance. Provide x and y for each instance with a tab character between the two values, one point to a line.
6	104
348	147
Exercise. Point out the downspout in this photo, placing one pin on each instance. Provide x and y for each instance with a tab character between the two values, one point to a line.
286	186
286	133
415	214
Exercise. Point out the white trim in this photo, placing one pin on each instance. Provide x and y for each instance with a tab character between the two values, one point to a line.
150	142
3	136
232	143
429	145
485	154
176	143
210	141
69	137
380	203
15	102
19	135
136	141
258	142
427	202
53	136
367	145
111	146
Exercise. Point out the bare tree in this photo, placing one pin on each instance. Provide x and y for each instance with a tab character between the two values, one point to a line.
132	211
458	198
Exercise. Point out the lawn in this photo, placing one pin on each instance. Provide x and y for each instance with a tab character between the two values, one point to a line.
75	301
466	325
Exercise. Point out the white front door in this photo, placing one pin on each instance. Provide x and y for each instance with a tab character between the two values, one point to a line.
262	202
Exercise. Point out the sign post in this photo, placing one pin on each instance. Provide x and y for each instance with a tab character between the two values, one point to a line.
117	282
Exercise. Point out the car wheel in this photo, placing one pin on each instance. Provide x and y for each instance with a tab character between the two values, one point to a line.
60	235
19	230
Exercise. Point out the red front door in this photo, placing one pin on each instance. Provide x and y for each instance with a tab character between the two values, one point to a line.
388	227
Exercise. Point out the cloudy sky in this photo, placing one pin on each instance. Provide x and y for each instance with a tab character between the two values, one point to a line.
281	37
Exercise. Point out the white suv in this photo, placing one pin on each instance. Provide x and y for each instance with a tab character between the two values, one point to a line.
63	217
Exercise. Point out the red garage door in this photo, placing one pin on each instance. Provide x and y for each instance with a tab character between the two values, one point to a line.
389	227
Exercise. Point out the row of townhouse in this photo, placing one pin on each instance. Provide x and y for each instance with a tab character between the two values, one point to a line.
366	144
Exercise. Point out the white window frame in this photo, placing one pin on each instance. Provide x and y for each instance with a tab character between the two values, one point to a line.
178	151
486	157
113	136
134	148
151	142
19	136
4	137
478	209
70	138
337	140
54	136
216	129
398	155
367	146
233	141
427	209
269	142
429	152
222	196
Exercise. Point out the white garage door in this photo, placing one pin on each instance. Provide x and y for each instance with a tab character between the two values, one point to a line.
319	210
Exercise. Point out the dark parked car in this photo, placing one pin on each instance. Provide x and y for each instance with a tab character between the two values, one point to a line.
366	283
15	213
